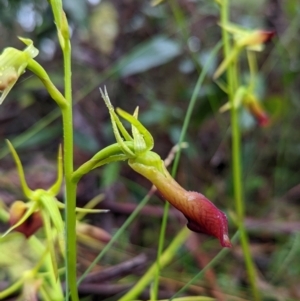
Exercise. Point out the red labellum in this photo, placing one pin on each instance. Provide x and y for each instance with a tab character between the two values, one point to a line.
204	217
258	113
267	35
30	225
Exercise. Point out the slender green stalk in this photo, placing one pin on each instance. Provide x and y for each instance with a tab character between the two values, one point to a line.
177	157
67	116
236	156
164	259
70	192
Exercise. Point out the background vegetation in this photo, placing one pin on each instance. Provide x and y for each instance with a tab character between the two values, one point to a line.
151	57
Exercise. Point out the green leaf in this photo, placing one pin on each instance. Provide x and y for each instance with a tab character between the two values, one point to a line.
155	52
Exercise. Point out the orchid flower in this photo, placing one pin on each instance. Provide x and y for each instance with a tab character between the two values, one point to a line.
246	98
13	63
252	40
202	215
41	209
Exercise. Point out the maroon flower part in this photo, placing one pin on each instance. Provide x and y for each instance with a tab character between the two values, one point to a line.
257	111
202	215
256	37
30	225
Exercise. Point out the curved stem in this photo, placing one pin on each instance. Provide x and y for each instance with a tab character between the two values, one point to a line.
110	151
37	69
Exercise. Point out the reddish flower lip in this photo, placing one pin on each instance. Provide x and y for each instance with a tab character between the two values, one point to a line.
30	225
208	219
202	215
258	113
268	35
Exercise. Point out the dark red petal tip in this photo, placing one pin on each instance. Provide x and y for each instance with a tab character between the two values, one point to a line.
268	35
204	217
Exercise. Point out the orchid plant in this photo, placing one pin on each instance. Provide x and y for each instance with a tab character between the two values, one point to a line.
42	209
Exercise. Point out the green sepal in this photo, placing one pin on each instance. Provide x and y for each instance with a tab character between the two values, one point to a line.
114	116
31	208
90	205
50	239
237	100
50	205
141	130
61	205
117	125
233	55
27	192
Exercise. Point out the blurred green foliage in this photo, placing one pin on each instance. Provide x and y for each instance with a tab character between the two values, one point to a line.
154	62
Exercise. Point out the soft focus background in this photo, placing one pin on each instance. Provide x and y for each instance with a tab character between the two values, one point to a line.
151	57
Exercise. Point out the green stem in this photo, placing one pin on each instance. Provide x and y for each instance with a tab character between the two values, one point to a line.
236	155
164	259
70	191
37	69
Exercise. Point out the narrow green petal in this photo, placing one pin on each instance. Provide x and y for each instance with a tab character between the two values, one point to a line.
91	204
27	192
50	204
141	129
138	139
226	62
31	208
54	189
116	124
114	116
50	240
